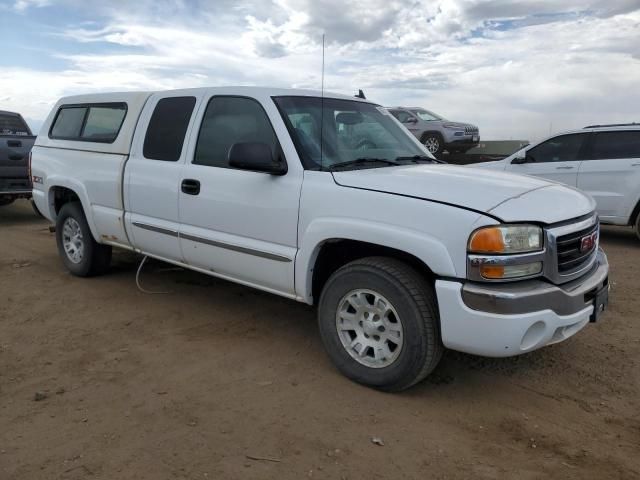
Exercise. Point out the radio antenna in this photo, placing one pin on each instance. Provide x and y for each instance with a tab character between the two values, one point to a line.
322	79
322	103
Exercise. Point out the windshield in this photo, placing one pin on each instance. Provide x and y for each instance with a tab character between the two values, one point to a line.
355	134
12	125
427	116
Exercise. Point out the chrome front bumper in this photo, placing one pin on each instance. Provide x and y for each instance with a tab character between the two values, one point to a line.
535	295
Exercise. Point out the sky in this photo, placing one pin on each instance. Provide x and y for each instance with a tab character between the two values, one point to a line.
519	69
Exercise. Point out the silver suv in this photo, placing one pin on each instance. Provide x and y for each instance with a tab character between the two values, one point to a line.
435	132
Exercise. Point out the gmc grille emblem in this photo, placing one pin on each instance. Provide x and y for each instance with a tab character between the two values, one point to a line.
589	242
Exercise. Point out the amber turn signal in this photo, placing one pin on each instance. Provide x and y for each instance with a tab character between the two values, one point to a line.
487	240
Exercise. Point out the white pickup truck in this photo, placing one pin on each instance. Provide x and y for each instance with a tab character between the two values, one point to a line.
329	201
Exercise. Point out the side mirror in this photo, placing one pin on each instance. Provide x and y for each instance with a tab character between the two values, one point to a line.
519	160
255	156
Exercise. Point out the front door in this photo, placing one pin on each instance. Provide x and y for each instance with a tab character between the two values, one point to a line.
238	224
556	159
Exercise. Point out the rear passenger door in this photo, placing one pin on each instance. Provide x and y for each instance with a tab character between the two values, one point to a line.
611	174
153	174
557	159
239	224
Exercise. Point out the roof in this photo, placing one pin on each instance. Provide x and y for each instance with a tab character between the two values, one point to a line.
135	104
252	91
612	125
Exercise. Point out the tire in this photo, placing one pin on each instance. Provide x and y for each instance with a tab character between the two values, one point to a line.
407	298
637	226
6	201
85	257
433	142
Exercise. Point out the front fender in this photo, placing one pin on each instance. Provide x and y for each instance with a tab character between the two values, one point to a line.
428	249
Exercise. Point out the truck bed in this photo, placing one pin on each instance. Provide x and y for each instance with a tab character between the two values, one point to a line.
14	157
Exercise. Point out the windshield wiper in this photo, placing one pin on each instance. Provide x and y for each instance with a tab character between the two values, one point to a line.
362	161
418	159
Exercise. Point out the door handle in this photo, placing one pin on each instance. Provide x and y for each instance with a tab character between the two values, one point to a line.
565	168
635	164
14	143
190	186
16	156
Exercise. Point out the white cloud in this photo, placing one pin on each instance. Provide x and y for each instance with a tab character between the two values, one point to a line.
22	5
512	67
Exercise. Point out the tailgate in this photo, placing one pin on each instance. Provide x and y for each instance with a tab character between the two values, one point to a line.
14	155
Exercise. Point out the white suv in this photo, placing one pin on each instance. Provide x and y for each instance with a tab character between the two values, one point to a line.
601	160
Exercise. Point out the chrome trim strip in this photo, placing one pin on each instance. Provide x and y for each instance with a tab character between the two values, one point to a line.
574	227
235	248
153	228
474	262
16	192
551	262
536	295
213	243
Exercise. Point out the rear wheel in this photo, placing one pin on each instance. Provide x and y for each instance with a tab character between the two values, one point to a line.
80	253
434	143
637	226
6	201
379	323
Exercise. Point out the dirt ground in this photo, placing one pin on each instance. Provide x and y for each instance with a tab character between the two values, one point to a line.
214	380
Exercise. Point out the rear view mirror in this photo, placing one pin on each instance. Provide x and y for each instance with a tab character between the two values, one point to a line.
411	120
349	118
257	157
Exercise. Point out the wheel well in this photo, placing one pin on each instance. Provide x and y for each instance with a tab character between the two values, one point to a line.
634	215
62	195
338	252
431	132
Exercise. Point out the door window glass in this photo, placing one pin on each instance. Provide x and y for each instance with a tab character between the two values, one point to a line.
167	128
401	115
610	145
564	148
230	120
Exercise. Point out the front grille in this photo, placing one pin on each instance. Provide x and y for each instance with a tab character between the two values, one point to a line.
570	256
470	130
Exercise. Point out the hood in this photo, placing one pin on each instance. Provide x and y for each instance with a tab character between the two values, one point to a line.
492	165
509	197
458	124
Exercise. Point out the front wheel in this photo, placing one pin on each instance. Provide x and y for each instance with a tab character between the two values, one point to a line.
378	321
80	253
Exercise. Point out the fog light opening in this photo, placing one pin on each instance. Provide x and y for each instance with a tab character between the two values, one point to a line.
533	335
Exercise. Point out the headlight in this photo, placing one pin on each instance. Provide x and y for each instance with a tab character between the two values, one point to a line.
506	239
505	252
